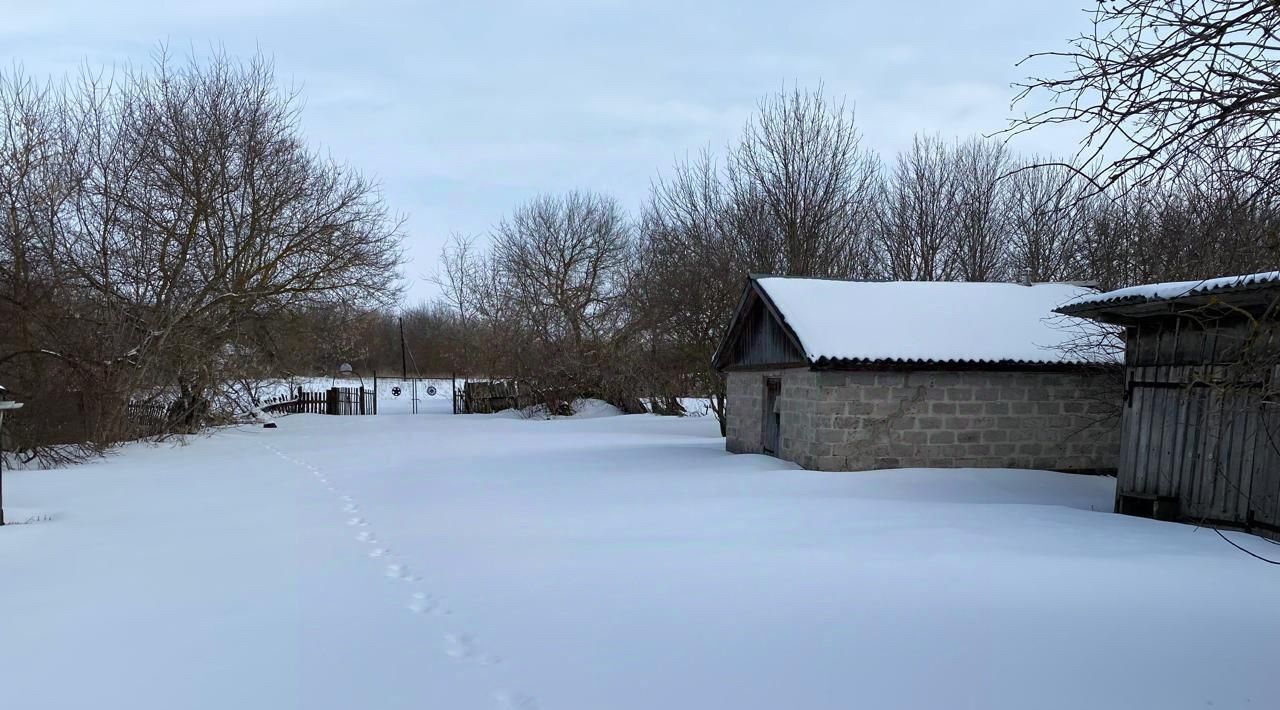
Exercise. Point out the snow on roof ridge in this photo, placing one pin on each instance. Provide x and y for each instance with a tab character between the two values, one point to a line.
930	321
758	276
1170	290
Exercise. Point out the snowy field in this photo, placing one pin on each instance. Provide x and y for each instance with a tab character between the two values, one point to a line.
611	563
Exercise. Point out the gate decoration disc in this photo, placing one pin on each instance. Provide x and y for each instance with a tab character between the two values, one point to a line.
431	390
395	391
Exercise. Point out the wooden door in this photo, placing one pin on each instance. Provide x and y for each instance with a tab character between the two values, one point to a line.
772	417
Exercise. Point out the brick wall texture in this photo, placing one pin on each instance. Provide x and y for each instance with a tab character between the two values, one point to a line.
860	420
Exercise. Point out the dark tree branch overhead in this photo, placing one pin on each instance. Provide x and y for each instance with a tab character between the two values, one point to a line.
1166	86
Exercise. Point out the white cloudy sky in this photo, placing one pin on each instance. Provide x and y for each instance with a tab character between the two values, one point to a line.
467	107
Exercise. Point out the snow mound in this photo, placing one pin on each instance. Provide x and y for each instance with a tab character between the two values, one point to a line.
593	409
582	409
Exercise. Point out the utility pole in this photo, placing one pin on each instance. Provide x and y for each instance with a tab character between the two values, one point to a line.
6	403
404	368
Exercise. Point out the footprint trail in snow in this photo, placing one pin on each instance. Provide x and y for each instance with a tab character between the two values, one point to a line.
457	645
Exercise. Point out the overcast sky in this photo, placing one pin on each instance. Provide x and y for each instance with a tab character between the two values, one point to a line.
463	109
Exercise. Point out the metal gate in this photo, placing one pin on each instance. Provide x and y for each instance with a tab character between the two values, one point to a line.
352	400
409	395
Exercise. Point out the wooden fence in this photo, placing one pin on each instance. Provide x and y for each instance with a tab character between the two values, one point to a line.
335	400
488	396
147	418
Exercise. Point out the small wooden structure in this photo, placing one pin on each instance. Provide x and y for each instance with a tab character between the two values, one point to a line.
1200	430
488	396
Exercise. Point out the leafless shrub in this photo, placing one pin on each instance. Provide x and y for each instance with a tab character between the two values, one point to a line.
160	223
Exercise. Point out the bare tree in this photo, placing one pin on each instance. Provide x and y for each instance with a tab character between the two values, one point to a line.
1047	220
803	184
560	263
915	218
1162	84
229	218
456	275
692	260
182	215
563	256
979	210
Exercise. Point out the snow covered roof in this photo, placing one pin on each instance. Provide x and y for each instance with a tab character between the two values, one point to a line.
922	322
1151	293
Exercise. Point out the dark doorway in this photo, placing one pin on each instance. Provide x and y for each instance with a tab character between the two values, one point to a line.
772	418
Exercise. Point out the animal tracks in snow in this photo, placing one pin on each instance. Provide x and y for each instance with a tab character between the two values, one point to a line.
398	572
508	700
457	645
463	647
423	603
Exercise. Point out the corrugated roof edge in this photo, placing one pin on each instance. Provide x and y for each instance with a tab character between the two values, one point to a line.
829	361
1225	284
755	276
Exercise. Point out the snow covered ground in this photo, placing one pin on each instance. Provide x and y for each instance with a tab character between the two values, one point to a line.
612	563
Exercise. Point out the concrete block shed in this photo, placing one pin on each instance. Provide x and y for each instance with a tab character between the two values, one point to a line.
855	375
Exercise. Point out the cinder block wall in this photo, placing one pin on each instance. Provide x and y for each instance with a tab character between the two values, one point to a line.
744	417
853	421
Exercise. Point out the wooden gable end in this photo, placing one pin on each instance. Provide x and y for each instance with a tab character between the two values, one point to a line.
758	339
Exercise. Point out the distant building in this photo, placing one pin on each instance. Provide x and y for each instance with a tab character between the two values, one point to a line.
1201	421
848	376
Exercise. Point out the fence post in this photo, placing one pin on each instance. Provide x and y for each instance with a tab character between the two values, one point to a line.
331	401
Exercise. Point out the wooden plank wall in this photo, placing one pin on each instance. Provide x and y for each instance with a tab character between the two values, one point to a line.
488	396
1196	429
762	341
